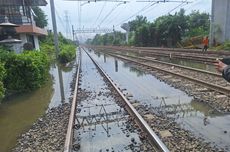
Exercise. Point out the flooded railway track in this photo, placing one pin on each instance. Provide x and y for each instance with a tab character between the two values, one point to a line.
102	118
165	116
207	87
198	56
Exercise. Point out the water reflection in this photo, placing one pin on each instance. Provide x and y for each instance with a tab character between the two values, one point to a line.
183	110
138	72
17	113
116	65
62	85
104	58
98	54
195	116
188	63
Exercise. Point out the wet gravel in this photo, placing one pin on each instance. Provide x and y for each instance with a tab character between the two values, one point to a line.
48	133
175	138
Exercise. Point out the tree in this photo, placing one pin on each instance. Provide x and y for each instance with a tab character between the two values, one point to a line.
140	20
40	17
108	39
198	24
142	35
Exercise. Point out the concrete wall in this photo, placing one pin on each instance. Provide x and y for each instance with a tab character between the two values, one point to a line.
220	21
36	42
18	47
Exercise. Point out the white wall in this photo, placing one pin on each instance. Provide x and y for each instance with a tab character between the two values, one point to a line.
220	25
36	42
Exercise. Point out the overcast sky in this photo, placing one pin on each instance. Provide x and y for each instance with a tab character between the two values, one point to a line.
105	14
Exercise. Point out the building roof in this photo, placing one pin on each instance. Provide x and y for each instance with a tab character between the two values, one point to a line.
25	2
31	29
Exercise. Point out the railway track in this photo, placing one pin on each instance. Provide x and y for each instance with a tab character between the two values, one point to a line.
210	87
153	60
96	110
198	56
221	85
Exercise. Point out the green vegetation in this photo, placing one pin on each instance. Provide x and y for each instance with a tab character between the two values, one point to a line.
29	70
26	71
67	53
166	30
22	72
67	48
40	18
224	46
2	75
116	38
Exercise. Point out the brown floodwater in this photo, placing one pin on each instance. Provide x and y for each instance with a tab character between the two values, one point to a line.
19	112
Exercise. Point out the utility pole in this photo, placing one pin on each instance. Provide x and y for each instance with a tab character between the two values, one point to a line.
57	48
54	27
67	21
73	32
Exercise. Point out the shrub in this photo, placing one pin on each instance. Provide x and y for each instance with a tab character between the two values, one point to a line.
224	46
26	71
48	49
67	53
2	75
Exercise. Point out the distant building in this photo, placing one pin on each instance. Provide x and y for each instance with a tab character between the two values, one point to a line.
19	12
220	21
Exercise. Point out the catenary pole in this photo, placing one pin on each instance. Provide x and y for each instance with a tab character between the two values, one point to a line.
56	46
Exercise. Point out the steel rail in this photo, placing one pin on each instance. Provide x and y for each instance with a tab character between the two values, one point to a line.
153	138
69	135
184	50
172	64
172	54
223	90
179	50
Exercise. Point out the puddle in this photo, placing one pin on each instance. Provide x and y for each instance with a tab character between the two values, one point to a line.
189	63
186	62
67	76
198	117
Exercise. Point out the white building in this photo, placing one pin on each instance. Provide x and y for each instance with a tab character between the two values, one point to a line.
19	12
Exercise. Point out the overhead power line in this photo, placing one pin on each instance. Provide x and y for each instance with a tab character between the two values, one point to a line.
124	1
109	13
153	3
113	19
164	1
99	14
178	6
144	8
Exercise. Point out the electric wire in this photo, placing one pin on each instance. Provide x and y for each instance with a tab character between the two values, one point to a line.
59	18
147	11
109	13
99	14
197	2
180	5
113	19
141	10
